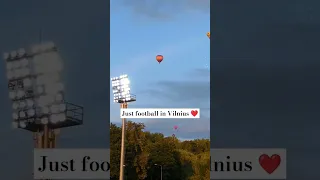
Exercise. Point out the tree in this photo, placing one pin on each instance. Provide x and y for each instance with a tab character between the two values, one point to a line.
137	148
115	149
187	160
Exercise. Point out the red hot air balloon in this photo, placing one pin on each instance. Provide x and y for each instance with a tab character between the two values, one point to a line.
159	58
175	127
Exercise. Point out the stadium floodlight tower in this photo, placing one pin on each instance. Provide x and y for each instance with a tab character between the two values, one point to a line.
122	95
37	93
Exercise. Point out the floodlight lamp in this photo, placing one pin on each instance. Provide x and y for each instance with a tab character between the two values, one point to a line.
22	114
113	83
24	62
10	75
44	120
114	78
47	46
53	89
123	76
13	54
55	77
59	97
62	107
15	106
124	81
17	73
15	116
42	101
124	93
35	49
24	72
27	82
45	110
22	104
30	103
54	109
43	47
37	60
40	80
21	52
50	99
20	94
16	64
45	100
125	89
125	84
22	124
54	118
60	86
31	112
61	117
40	89
6	56
44	79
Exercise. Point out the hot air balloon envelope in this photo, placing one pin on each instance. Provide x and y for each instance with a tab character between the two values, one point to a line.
175	127
208	34
159	58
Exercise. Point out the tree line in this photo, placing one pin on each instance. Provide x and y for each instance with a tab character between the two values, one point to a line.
147	152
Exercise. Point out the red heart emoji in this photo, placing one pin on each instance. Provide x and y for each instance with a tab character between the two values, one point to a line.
269	164
194	113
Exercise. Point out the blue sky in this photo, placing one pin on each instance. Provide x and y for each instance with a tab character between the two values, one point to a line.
138	33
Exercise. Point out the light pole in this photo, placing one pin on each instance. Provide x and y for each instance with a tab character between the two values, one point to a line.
122	95
37	93
160	170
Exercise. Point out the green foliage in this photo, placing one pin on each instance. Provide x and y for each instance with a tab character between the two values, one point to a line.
187	160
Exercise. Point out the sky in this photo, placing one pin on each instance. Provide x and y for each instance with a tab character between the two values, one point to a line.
177	30
265	73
